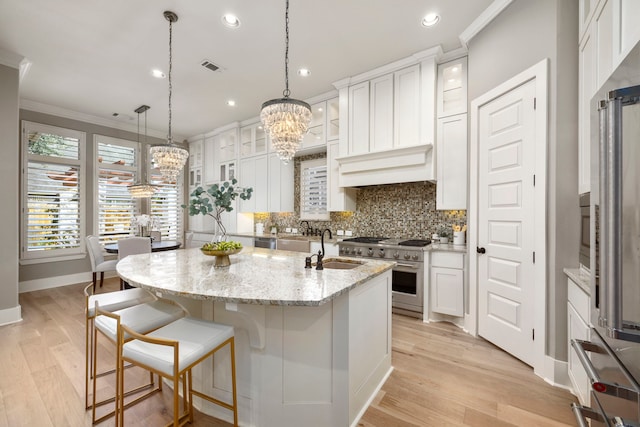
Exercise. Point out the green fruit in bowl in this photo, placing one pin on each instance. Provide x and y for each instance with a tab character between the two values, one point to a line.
222	246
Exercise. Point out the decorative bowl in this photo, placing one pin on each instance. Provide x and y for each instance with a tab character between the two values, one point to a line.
222	257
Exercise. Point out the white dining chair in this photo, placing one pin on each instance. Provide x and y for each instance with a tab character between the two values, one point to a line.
98	263
132	246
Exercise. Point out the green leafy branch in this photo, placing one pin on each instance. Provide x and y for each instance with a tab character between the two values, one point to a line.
216	200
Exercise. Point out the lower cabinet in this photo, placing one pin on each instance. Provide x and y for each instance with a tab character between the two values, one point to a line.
446	283
578	328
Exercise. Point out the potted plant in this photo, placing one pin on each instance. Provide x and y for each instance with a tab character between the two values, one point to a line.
444	234
216	200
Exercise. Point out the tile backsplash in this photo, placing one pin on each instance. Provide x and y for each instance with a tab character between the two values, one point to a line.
394	210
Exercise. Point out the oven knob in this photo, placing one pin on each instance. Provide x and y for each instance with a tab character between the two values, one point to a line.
370	252
359	251
414	257
406	256
347	250
396	254
381	253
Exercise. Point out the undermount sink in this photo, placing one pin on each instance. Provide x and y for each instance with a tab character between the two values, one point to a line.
340	264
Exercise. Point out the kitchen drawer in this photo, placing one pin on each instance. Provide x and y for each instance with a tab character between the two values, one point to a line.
447	260
579	300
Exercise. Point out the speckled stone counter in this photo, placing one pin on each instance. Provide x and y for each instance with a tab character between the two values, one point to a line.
255	276
446	247
580	278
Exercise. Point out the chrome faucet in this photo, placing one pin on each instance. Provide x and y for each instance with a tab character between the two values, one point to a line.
322	239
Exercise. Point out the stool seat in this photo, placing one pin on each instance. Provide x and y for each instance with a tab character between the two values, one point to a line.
114	301
196	338
141	318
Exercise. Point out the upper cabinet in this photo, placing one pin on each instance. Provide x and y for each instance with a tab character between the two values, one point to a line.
253	140
196	150
387	129
452	87
323	128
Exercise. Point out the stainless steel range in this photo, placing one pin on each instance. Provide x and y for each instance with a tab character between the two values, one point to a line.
408	274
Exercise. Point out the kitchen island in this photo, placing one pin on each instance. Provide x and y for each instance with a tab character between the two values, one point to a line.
312	347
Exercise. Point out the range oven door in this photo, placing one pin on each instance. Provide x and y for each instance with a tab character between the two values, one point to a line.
408	286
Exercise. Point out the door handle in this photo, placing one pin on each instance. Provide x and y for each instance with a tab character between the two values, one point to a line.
480	250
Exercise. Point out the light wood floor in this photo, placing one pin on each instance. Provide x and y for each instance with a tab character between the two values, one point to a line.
442	376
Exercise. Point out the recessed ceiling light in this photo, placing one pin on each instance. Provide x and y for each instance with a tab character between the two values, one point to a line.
304	72
231	20
231	103
430	20
454	70
158	74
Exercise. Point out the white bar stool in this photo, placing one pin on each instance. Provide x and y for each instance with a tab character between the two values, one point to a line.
171	352
109	301
142	318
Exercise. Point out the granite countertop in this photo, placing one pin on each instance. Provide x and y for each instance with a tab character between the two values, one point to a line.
580	278
256	276
298	236
446	247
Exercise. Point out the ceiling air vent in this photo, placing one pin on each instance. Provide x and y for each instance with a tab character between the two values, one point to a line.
209	65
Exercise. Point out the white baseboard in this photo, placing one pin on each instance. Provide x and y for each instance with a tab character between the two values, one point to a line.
10	315
556	373
57	281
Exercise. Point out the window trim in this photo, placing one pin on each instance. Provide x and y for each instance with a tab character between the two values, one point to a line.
36	257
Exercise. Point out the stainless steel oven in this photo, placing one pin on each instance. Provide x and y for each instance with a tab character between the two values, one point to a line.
407	275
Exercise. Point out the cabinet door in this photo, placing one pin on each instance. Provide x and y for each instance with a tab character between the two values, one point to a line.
381	114
406	112
447	291
602	30
359	119
316	137
333	119
195	154
577	329
254	174
451	151
280	184
210	166
452	87
247	139
626	30
340	198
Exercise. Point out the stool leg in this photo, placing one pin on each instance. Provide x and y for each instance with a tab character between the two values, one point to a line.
233	381
101	278
94	282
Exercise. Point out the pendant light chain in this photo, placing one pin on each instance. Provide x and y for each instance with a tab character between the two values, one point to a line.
286	91
170	137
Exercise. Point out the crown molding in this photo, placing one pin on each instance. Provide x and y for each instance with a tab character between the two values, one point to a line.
10	59
483	20
53	110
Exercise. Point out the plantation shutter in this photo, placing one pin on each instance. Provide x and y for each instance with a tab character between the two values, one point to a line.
313	190
52	205
116	168
166	206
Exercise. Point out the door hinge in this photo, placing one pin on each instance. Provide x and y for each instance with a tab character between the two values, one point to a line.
534	180
534	257
534	103
533	334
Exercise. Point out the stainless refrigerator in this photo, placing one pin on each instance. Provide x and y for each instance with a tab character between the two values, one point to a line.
611	357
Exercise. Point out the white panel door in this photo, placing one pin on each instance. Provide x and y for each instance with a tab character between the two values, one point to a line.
406	114
451	150
506	221
359	118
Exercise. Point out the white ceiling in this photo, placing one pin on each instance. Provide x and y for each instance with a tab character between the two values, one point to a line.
95	57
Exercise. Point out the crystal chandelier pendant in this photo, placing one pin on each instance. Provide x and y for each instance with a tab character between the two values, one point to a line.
287	121
169	158
140	191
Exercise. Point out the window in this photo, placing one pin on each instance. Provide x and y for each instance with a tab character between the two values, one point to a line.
165	205
116	167
313	190
52	194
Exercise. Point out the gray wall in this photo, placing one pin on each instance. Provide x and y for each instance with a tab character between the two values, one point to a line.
62	268
524	34
9	168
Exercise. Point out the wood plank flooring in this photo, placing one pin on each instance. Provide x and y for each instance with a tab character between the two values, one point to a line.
442	376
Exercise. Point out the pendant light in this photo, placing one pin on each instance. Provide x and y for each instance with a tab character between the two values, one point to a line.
286	119
169	158
143	189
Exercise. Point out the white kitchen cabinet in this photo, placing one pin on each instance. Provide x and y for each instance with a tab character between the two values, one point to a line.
625	28
452	87
209	174
333	119
254	172
451	166
225	154
446	283
381	113
253	140
195	163
358	142
340	198
281	185
578	313
317	135
587	87
406	107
